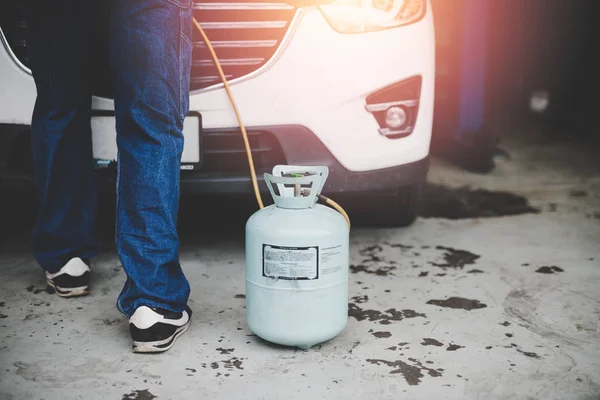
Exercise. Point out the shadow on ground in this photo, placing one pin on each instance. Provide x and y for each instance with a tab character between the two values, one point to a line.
458	203
225	217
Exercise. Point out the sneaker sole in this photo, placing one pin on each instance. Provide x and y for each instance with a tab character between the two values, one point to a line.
78	292
159	346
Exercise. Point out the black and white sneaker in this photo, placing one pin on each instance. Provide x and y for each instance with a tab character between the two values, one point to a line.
154	330
72	280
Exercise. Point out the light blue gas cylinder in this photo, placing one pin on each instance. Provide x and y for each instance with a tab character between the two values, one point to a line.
297	257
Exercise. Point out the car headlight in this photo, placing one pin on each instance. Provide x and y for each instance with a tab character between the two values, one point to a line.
357	16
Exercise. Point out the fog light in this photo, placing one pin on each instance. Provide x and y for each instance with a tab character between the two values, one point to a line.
395	107
395	117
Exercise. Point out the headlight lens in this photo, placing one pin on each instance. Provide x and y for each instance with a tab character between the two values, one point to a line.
356	16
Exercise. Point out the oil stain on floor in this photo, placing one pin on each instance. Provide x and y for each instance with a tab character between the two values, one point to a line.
412	373
454	258
139	395
549	269
382	334
458	303
384	318
373	262
431	342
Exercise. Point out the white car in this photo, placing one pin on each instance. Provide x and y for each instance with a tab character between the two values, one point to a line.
349	85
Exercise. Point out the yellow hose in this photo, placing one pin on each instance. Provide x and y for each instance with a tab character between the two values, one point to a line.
335	205
244	133
237	114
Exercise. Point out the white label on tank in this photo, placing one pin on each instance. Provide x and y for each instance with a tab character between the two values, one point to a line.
331	260
293	263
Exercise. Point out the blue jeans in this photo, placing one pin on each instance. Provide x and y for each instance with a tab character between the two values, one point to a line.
150	61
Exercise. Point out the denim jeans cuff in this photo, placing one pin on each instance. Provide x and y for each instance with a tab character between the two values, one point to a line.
129	310
54	266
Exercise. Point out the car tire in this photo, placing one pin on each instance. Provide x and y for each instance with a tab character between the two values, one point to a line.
404	206
397	208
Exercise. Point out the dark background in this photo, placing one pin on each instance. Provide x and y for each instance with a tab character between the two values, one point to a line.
530	44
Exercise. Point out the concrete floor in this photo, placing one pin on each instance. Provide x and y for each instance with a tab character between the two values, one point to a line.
492	308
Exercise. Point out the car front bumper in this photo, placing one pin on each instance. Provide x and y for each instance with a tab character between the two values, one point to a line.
297	146
300	146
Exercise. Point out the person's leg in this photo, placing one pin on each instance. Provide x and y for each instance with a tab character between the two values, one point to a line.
61	137
150	61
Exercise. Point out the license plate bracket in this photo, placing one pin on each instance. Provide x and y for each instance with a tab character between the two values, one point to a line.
104	140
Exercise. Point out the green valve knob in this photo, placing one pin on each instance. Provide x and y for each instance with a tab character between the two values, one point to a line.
297	174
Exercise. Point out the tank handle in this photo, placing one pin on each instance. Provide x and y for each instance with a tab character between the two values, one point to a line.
280	170
286	198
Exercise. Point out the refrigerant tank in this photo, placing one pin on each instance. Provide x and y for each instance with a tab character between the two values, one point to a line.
297	256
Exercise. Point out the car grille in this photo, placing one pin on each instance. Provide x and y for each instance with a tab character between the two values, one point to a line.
244	34
224	151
